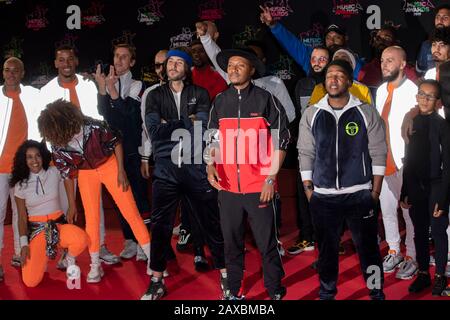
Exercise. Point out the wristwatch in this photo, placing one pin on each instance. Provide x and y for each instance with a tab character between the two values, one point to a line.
270	181
308	187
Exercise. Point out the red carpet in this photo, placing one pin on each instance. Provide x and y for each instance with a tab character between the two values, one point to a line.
129	281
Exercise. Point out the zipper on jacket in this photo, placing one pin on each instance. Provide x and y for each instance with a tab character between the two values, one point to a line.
364	165
337	153
237	138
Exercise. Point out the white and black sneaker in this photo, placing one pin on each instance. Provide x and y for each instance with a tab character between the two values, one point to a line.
156	290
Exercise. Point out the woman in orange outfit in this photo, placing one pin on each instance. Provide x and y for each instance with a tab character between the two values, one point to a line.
42	225
88	149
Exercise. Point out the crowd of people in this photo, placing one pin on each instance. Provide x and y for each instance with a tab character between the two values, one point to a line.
372	136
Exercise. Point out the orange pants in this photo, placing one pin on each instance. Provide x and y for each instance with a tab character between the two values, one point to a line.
71	237
90	182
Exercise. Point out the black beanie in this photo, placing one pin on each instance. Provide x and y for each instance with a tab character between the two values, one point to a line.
344	65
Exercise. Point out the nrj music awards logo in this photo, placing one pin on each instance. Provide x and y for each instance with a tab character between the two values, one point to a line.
249	33
183	39
346	8
282	68
211	10
126	37
278	8
417	7
37	20
68	40
151	13
93	16
313	37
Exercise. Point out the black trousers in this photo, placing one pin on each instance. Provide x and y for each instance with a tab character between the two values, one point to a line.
261	218
191	227
170	184
423	198
139	185
328	214
304	221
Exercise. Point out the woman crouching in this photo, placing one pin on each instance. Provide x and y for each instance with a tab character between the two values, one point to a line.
42	226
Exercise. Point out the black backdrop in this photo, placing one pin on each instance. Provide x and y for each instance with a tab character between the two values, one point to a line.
32	29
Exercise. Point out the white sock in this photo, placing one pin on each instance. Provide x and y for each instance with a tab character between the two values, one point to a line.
146	249
95	258
70	260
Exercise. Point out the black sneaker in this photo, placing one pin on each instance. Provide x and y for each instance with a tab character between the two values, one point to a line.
201	264
279	294
155	291
423	281
440	283
300	246
226	294
184	239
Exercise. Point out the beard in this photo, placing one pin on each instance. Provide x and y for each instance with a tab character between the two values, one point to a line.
392	76
177	77
319	76
339	94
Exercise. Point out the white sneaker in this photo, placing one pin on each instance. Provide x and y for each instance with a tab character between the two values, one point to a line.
16	261
129	249
407	269
140	255
95	274
107	256
392	261
62	262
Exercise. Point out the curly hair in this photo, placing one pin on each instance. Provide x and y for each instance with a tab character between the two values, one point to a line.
59	122
20	171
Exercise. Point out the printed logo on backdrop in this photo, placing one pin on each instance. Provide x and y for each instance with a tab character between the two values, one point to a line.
68	40
183	39
249	33
93	16
151	13
148	75
314	36
126	37
44	75
211	10
13	48
278	8
37	19
417	8
346	8
283	68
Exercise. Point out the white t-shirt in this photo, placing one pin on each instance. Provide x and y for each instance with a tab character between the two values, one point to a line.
41	192
177	97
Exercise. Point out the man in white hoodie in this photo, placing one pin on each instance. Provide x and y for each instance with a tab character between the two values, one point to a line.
70	86
394	99
18	110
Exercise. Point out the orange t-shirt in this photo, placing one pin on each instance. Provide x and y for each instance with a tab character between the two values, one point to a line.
17	132
73	93
391	167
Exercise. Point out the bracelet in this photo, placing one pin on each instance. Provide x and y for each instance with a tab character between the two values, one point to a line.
23	240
